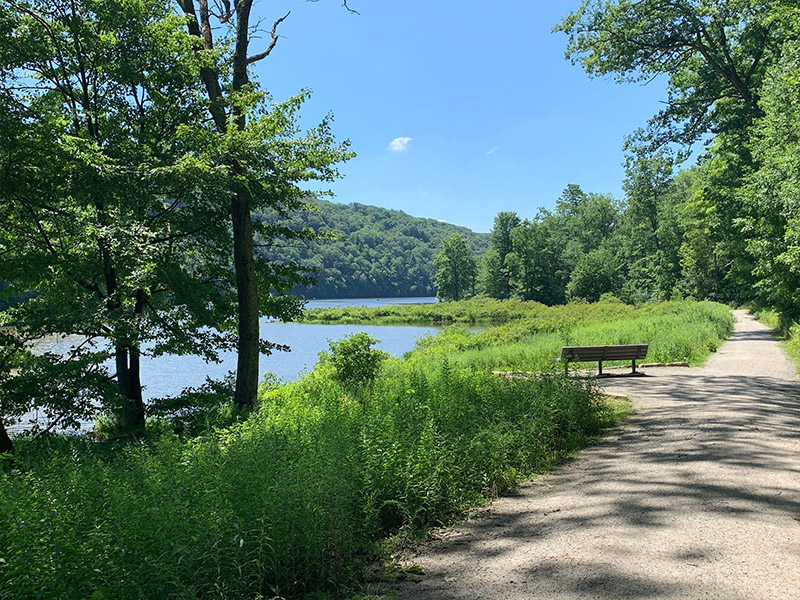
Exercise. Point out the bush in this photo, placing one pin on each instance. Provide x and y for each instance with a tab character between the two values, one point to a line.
355	362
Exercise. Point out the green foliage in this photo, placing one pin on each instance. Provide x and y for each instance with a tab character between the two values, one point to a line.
773	226
596	273
540	254
97	215
725	229
116	211
377	253
473	310
456	269
676	331
496	270
355	362
536	264
288	502
532	333
714	53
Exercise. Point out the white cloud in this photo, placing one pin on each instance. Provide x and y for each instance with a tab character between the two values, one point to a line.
399	144
492	150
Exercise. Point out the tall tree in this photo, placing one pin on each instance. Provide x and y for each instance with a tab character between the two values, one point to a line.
714	54
538	270
649	241
772	225
495	273
237	109
456	269
99	214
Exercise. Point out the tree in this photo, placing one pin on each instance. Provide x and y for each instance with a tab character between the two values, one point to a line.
594	275
111	182
538	273
241	117
713	52
490	280
495	275
772	225
100	213
456	269
650	237
584	220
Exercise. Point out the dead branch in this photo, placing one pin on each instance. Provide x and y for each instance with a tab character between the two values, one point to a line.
274	35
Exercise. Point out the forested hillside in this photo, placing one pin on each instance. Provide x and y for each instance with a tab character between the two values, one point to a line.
379	252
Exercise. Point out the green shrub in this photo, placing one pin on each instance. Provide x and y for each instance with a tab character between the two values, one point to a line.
355	362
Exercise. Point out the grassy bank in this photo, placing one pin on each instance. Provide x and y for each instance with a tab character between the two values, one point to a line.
530	334
475	310
787	329
291	502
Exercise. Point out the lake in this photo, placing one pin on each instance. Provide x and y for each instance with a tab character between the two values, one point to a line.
170	374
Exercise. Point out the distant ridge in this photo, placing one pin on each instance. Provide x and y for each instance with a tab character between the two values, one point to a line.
382	253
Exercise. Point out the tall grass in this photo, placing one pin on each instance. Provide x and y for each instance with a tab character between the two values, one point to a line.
291	501
675	331
786	328
286	503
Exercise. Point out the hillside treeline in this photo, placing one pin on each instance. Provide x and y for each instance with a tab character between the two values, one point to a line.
376	252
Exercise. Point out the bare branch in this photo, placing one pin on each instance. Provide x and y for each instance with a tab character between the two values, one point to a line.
274	35
345	5
350	10
224	11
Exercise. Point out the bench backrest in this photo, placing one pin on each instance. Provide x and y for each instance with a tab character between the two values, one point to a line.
592	353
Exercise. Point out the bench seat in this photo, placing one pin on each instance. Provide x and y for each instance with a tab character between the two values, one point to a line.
631	352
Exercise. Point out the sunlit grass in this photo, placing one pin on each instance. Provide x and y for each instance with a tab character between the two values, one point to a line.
291	502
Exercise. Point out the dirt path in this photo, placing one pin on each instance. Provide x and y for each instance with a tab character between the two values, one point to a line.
696	496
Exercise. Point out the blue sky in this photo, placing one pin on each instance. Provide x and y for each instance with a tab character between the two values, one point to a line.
488	114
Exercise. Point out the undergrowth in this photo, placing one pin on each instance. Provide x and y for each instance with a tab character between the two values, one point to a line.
291	502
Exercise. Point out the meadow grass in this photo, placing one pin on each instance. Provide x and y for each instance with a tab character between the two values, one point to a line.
291	501
675	331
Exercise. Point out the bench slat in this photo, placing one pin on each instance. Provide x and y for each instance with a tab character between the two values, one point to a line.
592	353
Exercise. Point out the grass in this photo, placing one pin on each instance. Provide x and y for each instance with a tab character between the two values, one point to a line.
475	310
532	334
787	329
293	501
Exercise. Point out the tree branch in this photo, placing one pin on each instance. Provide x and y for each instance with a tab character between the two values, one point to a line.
274	35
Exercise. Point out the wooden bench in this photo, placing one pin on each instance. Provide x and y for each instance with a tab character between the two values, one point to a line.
631	352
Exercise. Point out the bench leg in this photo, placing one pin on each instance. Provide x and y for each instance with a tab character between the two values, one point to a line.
599	367
633	365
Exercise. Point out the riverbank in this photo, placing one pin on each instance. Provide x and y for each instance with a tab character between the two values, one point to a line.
526	336
292	500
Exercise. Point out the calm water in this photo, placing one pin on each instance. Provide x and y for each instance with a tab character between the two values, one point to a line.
170	374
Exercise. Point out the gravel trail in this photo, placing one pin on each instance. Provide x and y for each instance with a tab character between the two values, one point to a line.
696	496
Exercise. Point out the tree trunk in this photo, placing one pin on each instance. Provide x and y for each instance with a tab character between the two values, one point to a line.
247	291
6	445
243	245
130	387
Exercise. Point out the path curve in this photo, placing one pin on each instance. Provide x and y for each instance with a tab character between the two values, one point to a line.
696	496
